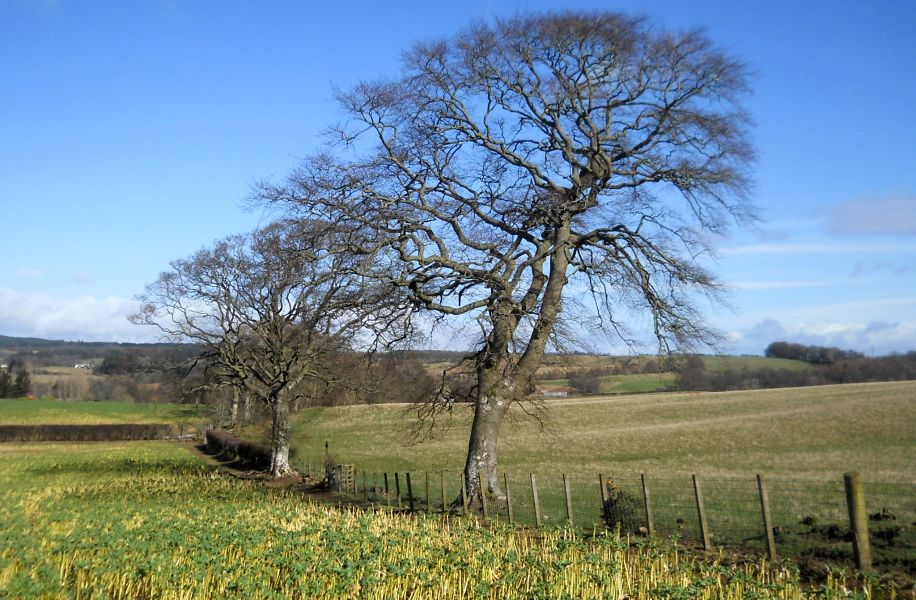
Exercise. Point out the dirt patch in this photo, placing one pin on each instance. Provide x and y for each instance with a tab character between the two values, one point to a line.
314	489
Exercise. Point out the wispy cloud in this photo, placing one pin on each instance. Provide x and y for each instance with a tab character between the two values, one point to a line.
817	248
30	273
83	318
781	285
888	215
83	277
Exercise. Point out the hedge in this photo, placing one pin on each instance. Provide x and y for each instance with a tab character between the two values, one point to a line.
86	433
229	447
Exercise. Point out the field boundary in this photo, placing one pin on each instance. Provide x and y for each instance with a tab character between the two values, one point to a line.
827	522
111	432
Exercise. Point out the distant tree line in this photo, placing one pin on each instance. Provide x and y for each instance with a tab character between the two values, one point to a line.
817	355
691	374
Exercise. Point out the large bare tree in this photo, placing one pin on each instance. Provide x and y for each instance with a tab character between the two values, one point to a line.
525	161
271	309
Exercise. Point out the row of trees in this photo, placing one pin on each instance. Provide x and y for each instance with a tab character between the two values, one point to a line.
819	355
691	374
505	178
15	381
271	310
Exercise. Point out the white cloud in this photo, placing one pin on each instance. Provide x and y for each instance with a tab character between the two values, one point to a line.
873	337
84	318
888	215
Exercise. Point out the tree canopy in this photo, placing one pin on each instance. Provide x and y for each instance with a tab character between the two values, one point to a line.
270	310
523	162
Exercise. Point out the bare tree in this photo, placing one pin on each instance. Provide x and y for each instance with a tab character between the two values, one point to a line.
528	162
270	308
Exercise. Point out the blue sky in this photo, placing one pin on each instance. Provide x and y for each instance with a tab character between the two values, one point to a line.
132	132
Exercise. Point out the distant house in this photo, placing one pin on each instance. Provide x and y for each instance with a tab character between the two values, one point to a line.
554	394
83	366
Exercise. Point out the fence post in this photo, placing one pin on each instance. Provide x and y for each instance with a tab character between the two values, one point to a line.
464	495
701	513
442	485
537	501
650	522
387	491
767	519
603	490
483	495
569	509
429	506
409	491
508	499
858	520
365	485
397	487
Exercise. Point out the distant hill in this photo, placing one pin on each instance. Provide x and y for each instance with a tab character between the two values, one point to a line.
8	342
49	353
17	343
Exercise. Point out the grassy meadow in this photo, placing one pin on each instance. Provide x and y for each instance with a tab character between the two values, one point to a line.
811	434
46	411
637	383
153	520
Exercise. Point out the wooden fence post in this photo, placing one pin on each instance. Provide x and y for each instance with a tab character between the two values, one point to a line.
397	487
650	522
858	520
387	491
483	494
701	513
429	505
464	494
767	519
508	499
409	491
537	501
603	490
442	485
365	486
569	508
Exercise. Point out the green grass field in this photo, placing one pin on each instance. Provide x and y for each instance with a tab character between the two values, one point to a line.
801	440
720	363
638	383
813	433
152	520
81	412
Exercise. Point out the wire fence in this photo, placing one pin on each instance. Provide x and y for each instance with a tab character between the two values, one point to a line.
806	518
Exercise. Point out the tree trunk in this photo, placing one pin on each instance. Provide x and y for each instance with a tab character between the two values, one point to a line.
494	397
279	439
246	409
497	386
234	411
